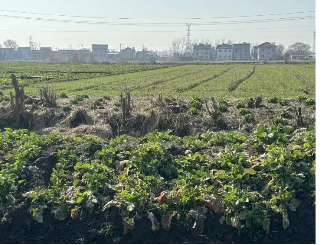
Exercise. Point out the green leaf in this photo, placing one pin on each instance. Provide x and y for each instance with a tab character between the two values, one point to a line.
61	212
75	183
249	171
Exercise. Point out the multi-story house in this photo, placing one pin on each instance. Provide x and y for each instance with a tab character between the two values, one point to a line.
128	53
265	51
100	51
24	53
224	52
241	51
5	53
202	52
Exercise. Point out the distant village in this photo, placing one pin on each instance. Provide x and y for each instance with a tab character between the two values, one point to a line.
101	53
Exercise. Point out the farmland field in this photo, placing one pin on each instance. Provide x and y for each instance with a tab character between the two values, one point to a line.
230	81
220	153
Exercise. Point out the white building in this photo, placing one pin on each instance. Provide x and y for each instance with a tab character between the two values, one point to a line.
100	51
128	53
224	52
241	51
202	52
266	51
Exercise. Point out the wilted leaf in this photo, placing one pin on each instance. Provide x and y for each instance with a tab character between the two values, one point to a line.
74	213
61	212
154	222
163	196
10	198
130	207
109	204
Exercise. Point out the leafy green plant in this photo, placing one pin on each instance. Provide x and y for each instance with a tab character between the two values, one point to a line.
66	109
223	105
63	95
196	105
274	100
244	111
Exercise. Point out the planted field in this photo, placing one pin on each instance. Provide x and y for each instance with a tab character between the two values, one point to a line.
98	166
34	73
230	81
277	81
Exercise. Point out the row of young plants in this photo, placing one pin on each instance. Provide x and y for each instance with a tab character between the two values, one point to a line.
243	178
67	71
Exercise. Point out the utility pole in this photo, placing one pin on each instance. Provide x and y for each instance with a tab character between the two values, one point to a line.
31	46
188	45
30	42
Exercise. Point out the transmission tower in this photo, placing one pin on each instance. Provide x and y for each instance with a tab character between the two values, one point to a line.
188	45
314	48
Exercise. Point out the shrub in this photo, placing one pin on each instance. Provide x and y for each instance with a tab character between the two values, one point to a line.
223	105
310	102
274	100
66	109
244	111
106	97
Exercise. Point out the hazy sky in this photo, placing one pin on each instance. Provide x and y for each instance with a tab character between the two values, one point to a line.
155	23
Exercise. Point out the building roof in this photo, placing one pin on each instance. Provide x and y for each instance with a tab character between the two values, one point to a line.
24	48
202	46
267	44
102	46
242	45
224	46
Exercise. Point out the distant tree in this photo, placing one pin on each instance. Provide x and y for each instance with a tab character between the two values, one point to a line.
12	45
280	51
178	47
9	43
230	42
299	49
35	46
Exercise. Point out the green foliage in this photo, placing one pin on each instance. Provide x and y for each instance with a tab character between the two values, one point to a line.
223	105
66	109
274	100
310	102
244	111
196	105
167	176
79	98
63	95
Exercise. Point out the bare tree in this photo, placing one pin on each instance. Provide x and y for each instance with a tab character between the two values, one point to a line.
280	51
9	43
230	42
178	47
299	48
35	46
12	45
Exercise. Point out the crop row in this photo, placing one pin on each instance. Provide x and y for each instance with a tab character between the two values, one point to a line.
56	72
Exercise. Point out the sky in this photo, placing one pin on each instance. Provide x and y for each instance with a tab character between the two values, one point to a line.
155	23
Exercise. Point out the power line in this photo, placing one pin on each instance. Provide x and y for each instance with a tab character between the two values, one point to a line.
160	23
125	18
168	31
